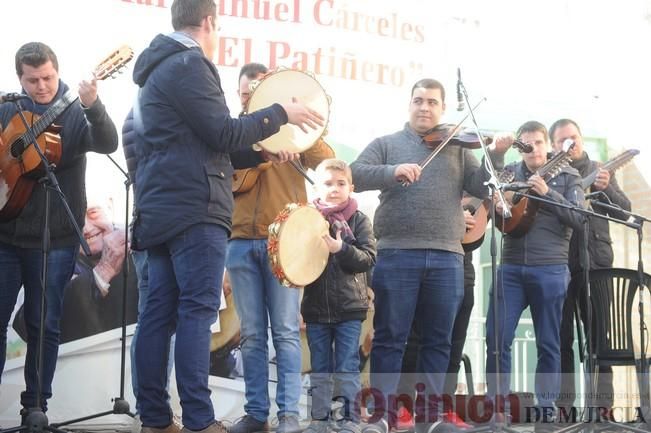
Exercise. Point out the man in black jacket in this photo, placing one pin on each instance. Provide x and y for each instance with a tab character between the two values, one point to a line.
85	127
184	205
534	273
600	255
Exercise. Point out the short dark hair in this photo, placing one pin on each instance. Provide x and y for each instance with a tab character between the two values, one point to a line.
189	13
252	70
561	123
429	83
532	126
35	54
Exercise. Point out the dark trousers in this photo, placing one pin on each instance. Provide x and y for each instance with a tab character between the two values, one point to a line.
459	331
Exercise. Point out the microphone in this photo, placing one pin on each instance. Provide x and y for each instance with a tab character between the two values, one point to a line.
11	97
461	105
515	186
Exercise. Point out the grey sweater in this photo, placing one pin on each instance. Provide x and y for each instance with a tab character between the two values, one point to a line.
428	213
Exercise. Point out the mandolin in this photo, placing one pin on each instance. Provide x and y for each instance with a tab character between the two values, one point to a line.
20	164
612	165
475	236
524	211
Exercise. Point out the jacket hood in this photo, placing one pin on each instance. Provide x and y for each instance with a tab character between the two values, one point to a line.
160	48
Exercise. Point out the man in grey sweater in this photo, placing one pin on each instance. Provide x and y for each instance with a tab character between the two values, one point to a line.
419	228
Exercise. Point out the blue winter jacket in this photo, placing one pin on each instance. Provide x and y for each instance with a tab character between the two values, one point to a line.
185	134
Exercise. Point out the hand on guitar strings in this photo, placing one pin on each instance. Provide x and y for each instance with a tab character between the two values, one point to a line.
538	185
602	180
469	219
88	92
301	115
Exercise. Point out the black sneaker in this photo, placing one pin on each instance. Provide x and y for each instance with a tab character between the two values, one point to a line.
248	424
288	424
33	419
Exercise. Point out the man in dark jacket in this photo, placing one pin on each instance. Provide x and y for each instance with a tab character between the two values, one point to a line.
184	204
533	273
85	127
600	254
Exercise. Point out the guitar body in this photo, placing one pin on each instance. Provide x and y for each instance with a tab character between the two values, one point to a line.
245	179
474	237
18	175
523	213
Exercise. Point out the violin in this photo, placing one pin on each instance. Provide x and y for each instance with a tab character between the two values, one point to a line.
465	138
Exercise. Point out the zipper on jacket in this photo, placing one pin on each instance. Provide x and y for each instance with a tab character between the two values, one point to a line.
327	297
255	209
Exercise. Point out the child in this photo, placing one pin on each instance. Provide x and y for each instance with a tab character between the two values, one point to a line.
335	305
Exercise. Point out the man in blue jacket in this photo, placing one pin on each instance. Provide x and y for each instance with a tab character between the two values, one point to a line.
85	126
184	204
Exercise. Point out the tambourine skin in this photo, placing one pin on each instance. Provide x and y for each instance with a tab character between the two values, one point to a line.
296	249
280	86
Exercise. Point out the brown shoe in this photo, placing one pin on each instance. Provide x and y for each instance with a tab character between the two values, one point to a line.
172	428
215	427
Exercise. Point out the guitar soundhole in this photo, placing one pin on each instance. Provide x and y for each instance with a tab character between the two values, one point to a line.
17	147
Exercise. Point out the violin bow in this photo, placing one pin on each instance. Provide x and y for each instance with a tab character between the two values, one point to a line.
456	129
440	147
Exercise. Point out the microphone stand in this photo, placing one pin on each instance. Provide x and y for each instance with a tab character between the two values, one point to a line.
495	188
644	395
120	404
36	421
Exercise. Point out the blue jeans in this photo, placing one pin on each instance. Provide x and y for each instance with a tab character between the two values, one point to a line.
425	285
542	288
21	266
259	295
185	281
334	348
142	273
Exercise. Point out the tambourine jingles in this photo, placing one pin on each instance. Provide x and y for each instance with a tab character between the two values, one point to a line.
296	249
280	86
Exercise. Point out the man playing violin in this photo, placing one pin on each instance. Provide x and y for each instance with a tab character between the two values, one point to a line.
600	253
258	293
86	127
419	270
534	273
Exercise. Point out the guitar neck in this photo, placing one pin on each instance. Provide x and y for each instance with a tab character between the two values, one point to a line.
52	113
553	166
611	165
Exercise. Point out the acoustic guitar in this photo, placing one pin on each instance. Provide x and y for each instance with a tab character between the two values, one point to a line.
20	164
613	164
481	212
524	211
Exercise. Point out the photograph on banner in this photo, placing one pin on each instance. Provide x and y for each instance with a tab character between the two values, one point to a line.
92	302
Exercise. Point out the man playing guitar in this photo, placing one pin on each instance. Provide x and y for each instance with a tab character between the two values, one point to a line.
600	252
534	272
85	126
